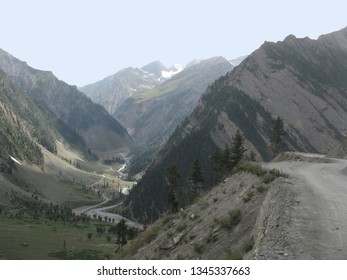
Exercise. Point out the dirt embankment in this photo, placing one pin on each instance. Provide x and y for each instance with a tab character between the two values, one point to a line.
273	230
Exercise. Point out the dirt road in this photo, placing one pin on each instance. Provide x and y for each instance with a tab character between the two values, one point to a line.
318	224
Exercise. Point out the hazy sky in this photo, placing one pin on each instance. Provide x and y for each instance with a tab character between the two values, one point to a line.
82	41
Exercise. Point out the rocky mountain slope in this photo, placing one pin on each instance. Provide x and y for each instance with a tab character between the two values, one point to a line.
76	117
223	223
301	80
112	91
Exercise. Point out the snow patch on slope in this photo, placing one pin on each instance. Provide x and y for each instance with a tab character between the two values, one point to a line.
15	160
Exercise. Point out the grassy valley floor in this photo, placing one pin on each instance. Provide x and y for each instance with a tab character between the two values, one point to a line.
29	239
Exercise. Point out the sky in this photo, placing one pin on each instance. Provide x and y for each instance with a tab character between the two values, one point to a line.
83	41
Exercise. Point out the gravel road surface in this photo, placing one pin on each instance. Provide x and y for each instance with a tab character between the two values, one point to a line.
319	215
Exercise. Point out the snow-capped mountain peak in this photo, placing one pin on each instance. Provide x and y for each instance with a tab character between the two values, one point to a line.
173	70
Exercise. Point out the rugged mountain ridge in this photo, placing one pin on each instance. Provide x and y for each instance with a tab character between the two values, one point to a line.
76	117
301	80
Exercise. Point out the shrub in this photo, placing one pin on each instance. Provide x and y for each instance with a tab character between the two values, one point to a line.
233	255
199	248
89	235
260	188
212	238
247	196
287	157
184	214
144	238
100	229
250	167
181	227
192	236
278	173
268	175
247	246
203	204
233	218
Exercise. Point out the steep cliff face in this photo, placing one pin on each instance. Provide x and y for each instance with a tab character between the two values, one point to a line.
73	111
301	80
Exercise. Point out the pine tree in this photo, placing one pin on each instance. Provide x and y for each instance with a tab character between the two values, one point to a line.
196	176
215	163
122	229
278	132
226	161
171	181
237	149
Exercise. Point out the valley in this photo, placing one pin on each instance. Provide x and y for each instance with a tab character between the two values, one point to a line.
86	190
218	159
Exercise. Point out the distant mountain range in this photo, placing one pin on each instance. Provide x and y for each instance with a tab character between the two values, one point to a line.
112	91
151	117
302	81
152	101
